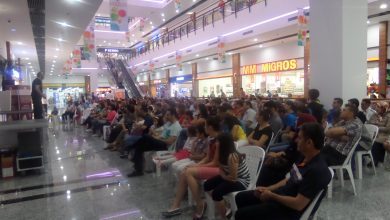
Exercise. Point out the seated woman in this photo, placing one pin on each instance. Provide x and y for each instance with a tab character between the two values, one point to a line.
233	125
204	169
233	176
262	134
197	152
289	121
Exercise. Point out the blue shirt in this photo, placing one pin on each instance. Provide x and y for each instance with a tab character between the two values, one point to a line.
290	120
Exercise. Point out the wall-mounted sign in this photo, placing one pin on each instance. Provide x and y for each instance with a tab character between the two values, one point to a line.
113	50
277	66
249	69
180	79
284	65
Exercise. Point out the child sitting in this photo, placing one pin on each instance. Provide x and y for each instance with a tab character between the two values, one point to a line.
198	150
167	158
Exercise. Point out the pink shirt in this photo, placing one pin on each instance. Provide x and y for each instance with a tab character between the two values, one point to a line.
111	116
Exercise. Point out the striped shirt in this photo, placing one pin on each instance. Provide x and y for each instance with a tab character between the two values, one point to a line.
242	172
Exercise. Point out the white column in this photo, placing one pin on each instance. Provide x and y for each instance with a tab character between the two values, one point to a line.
338	37
94	82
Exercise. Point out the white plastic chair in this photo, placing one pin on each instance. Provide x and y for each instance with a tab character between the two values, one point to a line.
373	131
311	211
347	166
254	157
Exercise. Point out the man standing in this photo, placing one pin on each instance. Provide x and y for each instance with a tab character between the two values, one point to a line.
249	118
336	106
37	95
289	198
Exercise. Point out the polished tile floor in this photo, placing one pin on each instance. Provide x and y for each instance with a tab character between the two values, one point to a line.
83	181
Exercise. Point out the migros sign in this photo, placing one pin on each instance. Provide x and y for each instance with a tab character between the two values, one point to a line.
276	66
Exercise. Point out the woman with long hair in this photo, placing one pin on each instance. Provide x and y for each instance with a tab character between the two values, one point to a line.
234	173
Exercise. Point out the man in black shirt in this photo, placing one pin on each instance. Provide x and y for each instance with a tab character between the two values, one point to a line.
360	114
289	198
37	95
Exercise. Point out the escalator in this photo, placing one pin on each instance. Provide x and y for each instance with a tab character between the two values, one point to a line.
124	78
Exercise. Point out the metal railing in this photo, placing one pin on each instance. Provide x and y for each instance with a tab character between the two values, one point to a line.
195	22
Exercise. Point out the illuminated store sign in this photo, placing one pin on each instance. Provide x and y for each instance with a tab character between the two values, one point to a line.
277	66
284	65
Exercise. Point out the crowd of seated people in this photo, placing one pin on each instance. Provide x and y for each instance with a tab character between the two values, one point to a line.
199	139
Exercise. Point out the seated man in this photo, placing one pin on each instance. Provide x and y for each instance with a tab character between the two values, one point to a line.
341	138
288	198
152	143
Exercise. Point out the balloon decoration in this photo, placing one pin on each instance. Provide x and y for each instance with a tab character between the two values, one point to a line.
177	5
119	17
67	69
89	51
302	27
221	49
151	66
76	57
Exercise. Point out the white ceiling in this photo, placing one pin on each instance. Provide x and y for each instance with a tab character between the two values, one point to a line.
16	28
77	14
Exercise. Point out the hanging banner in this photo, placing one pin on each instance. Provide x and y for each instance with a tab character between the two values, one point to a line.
151	66
177	5
67	69
302	27
119	17
76	58
178	60
221	50
89	51
141	24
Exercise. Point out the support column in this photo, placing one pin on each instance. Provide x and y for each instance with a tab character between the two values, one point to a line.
195	81
87	84
338	49
167	77
383	26
94	81
306	65
237	78
149	85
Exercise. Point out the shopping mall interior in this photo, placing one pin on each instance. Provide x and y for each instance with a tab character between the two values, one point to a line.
194	109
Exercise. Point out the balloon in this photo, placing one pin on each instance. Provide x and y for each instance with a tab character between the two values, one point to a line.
114	16
122	13
91	46
87	34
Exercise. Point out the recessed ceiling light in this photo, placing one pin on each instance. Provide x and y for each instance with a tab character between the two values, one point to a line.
29	63
55	56
177	10
132	35
383	6
150	23
57	49
104	41
13	29
54	61
260	45
52	65
50	74
152	27
255	39
26	58
207	58
197	55
164	64
19	43
368	21
60	39
188	62
88	75
162	14
100	45
230	53
143	32
98	14
58	75
163	20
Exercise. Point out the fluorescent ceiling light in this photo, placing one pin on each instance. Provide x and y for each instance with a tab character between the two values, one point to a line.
86	68
260	45
383	6
19	43
113	32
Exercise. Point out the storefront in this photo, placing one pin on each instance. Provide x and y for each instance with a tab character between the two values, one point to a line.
209	86
181	86
159	88
144	87
372	76
285	77
59	96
